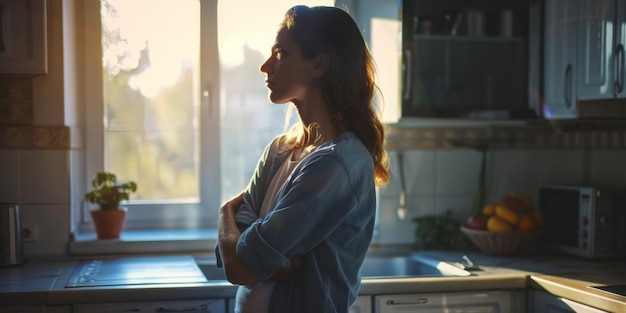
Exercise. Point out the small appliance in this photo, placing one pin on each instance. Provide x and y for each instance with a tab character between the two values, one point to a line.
10	235
585	221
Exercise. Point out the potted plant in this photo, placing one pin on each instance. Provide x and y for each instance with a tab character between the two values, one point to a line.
107	192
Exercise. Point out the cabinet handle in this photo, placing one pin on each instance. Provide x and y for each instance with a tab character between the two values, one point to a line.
197	308
568	86
620	68
418	301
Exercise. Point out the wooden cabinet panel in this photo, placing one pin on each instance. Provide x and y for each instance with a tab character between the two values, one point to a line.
23	43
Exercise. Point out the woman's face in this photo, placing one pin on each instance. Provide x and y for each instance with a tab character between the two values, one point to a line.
289	75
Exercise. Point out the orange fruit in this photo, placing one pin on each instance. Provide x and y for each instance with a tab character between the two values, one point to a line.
537	218
526	222
497	224
508	213
513	203
489	209
526	202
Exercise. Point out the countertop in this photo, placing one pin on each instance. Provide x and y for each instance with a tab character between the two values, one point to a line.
42	281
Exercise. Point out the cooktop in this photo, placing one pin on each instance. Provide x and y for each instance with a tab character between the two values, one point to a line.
136	271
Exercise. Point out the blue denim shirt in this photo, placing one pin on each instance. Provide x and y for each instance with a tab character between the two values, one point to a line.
324	212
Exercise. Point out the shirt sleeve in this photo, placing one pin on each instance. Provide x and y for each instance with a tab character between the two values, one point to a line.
310	207
248	212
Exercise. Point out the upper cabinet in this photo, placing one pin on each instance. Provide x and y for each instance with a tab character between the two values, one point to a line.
560	34
583	58
465	59
23	37
601	49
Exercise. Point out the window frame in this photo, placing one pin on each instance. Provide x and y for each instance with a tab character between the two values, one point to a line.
151	215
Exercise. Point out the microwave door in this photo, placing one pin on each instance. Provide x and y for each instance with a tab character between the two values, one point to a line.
561	218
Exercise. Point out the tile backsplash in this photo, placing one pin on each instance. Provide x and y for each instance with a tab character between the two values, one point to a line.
446	180
16	120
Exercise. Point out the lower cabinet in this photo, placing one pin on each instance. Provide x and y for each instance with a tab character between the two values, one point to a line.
459	302
543	302
23	309
212	306
362	304
35	309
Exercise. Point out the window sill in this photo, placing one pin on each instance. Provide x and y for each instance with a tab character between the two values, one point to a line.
195	241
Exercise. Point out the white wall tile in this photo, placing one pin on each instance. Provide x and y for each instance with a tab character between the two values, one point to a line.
524	170
460	207
10	182
393	230
419	173
457	172
52	224
607	168
45	177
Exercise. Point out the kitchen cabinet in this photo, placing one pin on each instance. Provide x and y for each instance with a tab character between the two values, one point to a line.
35	309
584	58
601	49
560	42
23	46
460	302
465	59
362	304
23	309
543	302
211	305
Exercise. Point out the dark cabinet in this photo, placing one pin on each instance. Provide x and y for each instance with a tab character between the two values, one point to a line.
465	59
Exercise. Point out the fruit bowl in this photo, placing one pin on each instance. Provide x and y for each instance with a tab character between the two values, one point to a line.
502	243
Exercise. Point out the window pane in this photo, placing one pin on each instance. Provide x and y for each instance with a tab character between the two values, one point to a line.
151	114
246	31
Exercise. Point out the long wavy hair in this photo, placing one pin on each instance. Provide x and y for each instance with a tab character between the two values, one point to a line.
348	84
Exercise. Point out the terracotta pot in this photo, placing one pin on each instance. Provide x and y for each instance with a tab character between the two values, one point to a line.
109	223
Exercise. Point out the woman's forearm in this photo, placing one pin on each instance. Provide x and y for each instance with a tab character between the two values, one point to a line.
228	235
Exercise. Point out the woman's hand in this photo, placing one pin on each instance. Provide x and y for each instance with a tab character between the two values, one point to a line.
231	206
228	235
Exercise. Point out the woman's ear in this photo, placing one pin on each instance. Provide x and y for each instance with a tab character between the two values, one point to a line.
322	62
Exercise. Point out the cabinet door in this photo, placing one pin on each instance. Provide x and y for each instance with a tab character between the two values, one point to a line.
23	309
206	306
595	49
362	304
23	37
459	302
560	58
544	302
619	53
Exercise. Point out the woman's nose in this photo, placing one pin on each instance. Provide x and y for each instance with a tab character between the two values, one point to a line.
265	67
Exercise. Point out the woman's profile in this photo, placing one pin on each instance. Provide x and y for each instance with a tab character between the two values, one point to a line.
295	238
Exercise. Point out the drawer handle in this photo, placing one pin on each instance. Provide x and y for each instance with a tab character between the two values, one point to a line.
198	308
418	301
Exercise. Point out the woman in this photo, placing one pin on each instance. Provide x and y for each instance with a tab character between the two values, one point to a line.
295	239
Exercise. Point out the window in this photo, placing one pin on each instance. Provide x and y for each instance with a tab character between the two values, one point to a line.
183	114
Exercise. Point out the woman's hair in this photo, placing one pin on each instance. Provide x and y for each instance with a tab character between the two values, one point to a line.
348	84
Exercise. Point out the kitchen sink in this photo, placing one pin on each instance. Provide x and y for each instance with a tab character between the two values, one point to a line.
375	267
408	266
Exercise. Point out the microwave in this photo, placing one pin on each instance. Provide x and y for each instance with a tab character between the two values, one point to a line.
585	221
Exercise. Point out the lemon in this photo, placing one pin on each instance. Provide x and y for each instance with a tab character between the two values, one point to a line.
497	224
489	209
508	213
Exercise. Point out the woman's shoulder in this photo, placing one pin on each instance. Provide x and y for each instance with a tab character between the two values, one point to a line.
347	148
